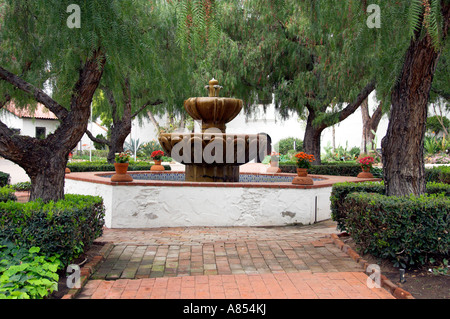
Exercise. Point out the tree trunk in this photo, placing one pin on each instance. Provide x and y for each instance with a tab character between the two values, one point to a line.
47	178
370	123
119	133
402	147
45	160
311	141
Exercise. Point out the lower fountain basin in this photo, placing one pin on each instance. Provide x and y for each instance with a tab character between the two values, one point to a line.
163	199
214	156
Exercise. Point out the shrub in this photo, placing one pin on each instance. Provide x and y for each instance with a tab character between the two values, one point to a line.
5	179
7	193
440	174
287	144
103	166
22	186
334	169
65	227
406	230
25	274
340	191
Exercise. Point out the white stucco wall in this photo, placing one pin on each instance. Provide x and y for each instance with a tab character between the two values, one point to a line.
162	206
29	126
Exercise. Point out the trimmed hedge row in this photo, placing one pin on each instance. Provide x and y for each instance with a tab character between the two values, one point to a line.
7	193
440	174
106	167
406	230
334	169
340	191
61	228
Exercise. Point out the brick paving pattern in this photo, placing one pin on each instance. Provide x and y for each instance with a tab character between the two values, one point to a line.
228	263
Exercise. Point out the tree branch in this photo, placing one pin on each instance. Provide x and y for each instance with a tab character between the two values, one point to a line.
7	99
96	139
157	102
352	107
39	95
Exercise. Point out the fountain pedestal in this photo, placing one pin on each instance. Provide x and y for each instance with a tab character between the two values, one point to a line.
208	173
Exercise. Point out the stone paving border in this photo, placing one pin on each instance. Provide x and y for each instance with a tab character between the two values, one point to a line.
88	269
396	291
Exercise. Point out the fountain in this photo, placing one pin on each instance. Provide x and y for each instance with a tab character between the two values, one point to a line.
213	155
211	191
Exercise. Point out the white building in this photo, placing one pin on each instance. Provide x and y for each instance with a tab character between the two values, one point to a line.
40	123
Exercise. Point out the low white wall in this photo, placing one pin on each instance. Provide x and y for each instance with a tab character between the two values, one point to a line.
155	206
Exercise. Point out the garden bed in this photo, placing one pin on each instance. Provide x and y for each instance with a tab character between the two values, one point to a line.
420	282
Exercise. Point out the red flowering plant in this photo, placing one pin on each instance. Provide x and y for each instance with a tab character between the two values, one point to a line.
123	157
366	162
156	155
304	160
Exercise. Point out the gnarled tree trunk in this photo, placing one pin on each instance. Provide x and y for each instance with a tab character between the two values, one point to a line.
402	147
45	160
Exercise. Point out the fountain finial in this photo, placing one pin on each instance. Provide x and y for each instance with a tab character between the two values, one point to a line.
213	88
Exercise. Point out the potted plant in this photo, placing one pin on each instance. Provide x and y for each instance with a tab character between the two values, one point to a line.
122	161
274	160
366	165
156	156
303	164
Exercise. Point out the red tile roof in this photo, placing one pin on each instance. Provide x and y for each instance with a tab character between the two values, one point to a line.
41	112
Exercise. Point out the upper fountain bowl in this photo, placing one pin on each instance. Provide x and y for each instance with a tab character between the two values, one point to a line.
213	111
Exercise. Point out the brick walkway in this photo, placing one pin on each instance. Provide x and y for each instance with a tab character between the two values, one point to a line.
228	263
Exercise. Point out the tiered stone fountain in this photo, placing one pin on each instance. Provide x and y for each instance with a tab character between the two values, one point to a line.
213	155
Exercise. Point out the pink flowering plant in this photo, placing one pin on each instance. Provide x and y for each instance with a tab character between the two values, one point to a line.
123	157
366	162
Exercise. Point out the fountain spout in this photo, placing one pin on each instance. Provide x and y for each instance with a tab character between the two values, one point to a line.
213	88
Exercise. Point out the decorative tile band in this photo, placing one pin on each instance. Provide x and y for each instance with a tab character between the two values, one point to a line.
180	177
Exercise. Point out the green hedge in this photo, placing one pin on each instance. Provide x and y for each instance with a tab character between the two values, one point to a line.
340	191
334	169
65	227
406	230
106	167
440	174
7	193
5	179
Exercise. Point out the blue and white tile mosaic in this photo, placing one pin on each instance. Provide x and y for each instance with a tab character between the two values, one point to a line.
243	178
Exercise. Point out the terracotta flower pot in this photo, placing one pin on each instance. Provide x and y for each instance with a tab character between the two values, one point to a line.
302	172
302	177
365	173
274	167
157	166
121	173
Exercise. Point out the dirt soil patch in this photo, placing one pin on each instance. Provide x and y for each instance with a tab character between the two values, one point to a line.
94	250
420	282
